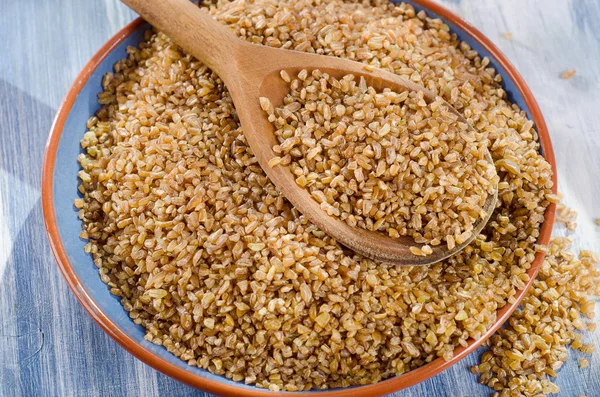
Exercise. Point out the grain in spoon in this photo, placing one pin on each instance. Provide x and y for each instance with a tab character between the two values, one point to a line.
252	71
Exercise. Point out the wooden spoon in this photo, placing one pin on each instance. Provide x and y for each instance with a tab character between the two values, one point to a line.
251	71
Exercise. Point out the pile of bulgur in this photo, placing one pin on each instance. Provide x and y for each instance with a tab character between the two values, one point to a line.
222	271
383	161
555	311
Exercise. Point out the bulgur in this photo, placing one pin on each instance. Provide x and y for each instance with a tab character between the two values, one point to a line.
551	317
568	74
222	271
384	161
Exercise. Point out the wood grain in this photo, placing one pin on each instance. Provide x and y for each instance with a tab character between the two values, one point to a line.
45	336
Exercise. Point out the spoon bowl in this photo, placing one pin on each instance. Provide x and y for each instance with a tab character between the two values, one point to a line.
374	245
252	71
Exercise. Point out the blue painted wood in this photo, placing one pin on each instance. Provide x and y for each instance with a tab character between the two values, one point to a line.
47	339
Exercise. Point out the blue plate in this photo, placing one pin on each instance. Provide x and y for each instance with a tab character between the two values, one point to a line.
60	189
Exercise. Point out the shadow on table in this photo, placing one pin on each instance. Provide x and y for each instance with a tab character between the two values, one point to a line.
49	346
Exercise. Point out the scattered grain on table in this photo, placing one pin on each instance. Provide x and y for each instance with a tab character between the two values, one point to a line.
566	216
584	363
552	317
568	74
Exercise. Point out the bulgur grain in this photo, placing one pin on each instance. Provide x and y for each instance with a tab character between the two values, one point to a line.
568	74
566	216
550	318
584	363
167	155
384	161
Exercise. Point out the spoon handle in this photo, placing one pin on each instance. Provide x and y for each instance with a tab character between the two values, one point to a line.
192	29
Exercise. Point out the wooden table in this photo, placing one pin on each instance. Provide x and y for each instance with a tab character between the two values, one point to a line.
46	338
